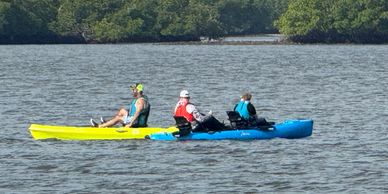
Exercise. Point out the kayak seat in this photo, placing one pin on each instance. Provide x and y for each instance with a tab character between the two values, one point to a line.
183	125
145	114
236	121
264	124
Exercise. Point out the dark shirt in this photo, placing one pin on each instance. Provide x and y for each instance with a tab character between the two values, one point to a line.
251	109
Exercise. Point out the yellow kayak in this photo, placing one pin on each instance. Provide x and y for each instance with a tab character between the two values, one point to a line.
92	133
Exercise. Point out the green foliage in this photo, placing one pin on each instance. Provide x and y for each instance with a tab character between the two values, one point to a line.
187	18
132	20
352	17
303	16
81	18
106	31
4	9
336	21
244	16
123	20
276	8
19	17
250	16
104	20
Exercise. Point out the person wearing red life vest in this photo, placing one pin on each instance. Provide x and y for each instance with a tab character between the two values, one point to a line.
199	121
187	110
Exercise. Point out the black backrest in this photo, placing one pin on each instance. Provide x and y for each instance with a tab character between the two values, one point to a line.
236	121
144	113
183	125
147	113
233	116
181	121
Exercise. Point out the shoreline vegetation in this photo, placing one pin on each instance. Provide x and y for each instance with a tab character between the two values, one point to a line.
262	39
259	39
193	21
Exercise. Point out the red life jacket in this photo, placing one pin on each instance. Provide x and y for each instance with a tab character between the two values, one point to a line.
182	112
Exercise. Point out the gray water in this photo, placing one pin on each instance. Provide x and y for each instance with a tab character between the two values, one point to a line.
343	88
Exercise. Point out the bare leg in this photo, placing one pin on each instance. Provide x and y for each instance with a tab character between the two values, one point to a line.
116	119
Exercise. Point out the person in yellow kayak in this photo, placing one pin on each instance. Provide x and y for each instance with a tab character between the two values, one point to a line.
135	116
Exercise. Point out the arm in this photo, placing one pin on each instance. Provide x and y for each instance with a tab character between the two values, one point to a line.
139	107
196	114
251	109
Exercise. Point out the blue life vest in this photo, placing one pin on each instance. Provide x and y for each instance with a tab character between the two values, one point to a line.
242	109
132	108
141	120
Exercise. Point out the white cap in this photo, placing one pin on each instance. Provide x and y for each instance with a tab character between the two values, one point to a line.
184	94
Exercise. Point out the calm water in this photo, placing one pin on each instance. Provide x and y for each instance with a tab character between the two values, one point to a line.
342	87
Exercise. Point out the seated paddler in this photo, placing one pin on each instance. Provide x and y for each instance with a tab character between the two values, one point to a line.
199	121
247	111
136	115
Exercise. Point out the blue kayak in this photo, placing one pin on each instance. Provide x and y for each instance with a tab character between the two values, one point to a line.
290	129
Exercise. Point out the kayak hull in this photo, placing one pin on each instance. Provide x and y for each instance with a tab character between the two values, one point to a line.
40	132
290	129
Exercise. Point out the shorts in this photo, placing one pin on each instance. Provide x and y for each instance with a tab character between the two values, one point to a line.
126	119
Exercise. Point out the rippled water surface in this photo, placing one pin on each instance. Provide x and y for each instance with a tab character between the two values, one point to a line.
343	88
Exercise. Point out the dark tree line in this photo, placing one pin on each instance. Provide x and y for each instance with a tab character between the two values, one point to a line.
333	21
102	21
54	21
